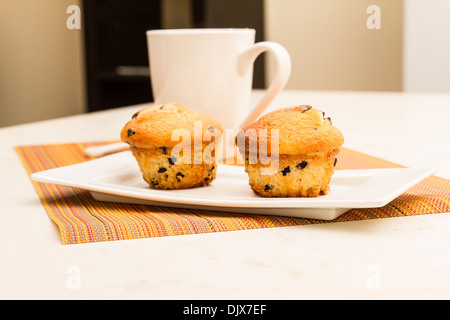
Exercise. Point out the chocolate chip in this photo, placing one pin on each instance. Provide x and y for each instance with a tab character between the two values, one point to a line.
302	165
135	115
268	187
163	150
286	170
130	132
335	161
303	108
172	160
154	182
162	170
329	119
162	107
179	175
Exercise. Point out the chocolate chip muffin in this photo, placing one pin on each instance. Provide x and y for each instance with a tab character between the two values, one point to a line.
290	152
174	146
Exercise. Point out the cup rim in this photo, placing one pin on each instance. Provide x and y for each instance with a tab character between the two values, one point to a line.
202	31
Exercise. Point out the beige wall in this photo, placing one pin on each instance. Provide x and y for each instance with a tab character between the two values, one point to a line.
176	14
331	46
41	62
427	46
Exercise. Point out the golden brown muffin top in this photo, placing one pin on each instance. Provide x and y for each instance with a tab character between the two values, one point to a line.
167	125
302	130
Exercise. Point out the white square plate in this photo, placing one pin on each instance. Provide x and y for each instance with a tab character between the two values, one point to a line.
116	178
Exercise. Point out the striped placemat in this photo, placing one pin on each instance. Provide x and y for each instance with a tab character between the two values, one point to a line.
81	219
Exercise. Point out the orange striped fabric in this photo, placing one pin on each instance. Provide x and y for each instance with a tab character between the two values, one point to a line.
81	219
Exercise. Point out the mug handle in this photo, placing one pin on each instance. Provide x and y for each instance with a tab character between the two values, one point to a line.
282	72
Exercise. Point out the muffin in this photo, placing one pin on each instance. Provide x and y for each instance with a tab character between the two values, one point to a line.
174	146
301	153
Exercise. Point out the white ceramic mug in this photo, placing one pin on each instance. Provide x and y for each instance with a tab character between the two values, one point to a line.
210	71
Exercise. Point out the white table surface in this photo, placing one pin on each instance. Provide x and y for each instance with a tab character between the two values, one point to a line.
395	258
